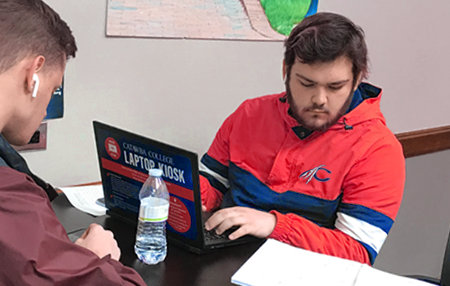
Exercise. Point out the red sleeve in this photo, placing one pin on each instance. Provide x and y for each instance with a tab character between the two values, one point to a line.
211	197
34	245
214	171
300	232
372	193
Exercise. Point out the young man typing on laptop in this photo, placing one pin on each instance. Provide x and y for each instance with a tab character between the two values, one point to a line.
315	166
35	250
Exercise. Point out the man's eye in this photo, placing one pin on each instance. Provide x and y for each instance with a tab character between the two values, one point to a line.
335	87
307	84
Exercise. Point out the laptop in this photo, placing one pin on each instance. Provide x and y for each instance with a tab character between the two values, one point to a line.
124	160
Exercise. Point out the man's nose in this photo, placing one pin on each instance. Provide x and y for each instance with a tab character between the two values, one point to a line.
320	97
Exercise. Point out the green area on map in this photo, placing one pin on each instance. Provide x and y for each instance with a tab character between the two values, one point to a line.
283	15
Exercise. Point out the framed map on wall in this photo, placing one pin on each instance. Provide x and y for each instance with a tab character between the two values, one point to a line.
257	20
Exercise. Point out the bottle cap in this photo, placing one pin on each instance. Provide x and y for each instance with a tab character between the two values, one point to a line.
155	172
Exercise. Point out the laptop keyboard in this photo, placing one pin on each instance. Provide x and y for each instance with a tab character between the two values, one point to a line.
212	235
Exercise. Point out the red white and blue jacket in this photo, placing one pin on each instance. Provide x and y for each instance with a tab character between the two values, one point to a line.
335	192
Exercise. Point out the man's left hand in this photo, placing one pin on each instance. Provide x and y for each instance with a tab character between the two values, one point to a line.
250	221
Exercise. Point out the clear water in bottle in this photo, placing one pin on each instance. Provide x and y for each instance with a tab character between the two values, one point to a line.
151	244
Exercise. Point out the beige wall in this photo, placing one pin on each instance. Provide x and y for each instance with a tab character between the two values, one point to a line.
180	91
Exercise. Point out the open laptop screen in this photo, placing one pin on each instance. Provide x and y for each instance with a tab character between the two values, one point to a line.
125	159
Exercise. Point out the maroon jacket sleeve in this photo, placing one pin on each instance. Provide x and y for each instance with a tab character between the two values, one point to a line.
34	246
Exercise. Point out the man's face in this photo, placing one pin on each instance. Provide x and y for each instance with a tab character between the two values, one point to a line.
320	94
32	111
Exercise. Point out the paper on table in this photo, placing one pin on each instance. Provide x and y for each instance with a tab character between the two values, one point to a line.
83	198
277	263
369	276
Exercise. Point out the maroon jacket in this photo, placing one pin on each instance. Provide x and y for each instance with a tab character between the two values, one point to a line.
34	247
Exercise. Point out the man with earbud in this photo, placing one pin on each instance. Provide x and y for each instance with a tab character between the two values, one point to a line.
34	248
314	166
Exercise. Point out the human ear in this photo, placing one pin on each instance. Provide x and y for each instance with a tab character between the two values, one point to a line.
358	82
32	78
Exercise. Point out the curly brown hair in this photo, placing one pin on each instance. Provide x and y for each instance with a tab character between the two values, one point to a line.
323	37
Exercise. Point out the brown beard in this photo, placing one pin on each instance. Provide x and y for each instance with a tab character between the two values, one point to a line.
294	110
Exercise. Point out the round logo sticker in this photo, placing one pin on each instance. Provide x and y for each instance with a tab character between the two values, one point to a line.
112	148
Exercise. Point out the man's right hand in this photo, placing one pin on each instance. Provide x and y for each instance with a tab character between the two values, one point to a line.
99	241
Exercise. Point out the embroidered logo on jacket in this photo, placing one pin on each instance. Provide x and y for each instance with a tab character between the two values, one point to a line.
313	174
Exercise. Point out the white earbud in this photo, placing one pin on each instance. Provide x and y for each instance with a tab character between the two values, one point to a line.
36	85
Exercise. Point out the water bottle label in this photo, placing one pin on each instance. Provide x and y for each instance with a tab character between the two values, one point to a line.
154	210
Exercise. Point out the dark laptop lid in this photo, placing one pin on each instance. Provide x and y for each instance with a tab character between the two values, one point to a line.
125	159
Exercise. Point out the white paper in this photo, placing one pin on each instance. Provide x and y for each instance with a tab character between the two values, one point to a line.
84	198
369	276
277	263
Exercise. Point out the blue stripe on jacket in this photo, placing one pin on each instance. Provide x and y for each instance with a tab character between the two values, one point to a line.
383	222
215	183
246	190
372	253
217	168
368	215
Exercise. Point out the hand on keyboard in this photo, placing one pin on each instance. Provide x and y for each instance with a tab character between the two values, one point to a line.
212	234
246	220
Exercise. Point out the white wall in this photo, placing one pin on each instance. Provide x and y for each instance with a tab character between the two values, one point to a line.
408	44
177	91
180	91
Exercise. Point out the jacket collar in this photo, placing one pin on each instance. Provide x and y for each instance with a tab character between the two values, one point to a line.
10	158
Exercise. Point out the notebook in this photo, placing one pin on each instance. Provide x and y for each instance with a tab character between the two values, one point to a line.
124	160
280	264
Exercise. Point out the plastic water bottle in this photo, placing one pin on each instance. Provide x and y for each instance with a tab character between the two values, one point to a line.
151	243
